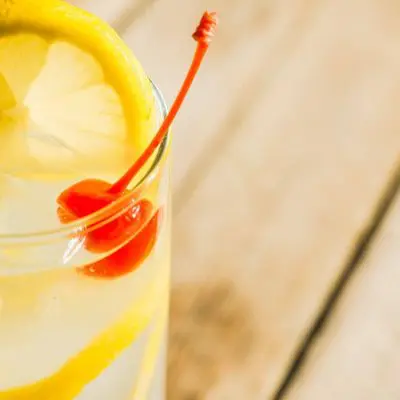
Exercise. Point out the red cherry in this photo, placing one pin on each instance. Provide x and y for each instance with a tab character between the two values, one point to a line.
130	256
91	195
85	197
114	233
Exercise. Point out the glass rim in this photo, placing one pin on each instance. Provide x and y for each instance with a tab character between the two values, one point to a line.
91	219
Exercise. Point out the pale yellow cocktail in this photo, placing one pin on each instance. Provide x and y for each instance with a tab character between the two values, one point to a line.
83	309
84	208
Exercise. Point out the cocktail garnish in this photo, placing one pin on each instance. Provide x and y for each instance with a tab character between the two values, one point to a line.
141	220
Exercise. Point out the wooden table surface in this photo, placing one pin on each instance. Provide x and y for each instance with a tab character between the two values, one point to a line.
286	256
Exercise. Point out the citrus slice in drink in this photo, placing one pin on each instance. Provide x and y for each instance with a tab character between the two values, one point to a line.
73	98
42	358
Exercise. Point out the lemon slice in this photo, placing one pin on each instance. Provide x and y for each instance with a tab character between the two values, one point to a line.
68	330
73	98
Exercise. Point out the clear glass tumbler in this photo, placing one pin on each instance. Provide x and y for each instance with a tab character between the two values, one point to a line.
78	324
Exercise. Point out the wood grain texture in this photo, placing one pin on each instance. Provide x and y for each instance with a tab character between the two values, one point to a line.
272	218
358	356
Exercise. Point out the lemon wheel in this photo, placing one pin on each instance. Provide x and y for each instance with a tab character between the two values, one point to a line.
73	98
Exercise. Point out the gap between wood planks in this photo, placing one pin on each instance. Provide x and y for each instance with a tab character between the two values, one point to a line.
124	21
361	248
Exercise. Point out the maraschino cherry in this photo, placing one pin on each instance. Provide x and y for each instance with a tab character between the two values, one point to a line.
90	195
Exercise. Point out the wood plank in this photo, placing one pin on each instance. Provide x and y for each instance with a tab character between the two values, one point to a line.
261	236
358	356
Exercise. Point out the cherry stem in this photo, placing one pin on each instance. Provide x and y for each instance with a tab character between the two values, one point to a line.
203	35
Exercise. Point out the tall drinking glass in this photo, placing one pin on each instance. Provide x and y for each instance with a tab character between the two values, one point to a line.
70	329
